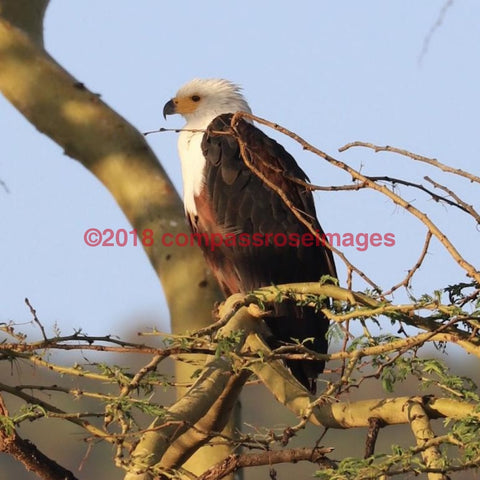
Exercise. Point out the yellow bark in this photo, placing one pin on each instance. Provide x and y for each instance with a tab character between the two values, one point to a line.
60	106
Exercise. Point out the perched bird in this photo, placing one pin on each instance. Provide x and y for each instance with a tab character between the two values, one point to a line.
256	240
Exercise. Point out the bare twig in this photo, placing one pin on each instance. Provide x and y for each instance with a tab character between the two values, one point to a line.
174	130
419	186
405	282
35	318
431	161
463	205
472	272
305	221
359	186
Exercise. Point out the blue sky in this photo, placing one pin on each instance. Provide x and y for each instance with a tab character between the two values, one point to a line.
332	71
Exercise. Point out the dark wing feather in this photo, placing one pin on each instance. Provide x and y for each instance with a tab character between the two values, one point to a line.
236	200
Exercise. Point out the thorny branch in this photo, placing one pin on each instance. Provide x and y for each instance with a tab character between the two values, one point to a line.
363	179
301	217
27	453
372	182
406	281
196	418
463	205
420	158
394	181
35	318
255	359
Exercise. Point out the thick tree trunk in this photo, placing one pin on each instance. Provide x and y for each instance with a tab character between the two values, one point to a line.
59	106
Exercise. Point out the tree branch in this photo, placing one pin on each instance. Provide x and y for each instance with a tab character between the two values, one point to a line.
61	107
271	457
420	424
464	205
204	407
374	425
26	15
471	271
420	158
116	153
27	453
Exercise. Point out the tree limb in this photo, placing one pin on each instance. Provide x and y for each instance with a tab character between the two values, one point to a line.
179	418
294	455
471	271
205	406
27	453
420	158
420	425
61	107
116	153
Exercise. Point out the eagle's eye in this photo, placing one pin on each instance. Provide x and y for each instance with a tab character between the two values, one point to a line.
195	98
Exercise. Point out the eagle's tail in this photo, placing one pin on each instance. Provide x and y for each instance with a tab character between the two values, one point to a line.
289	323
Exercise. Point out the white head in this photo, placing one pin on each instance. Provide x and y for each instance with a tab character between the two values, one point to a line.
201	100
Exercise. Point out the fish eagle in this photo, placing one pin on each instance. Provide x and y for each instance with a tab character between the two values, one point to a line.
246	209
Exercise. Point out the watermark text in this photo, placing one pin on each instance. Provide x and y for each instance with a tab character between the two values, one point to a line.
122	237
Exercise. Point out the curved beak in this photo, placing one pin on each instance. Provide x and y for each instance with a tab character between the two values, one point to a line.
169	109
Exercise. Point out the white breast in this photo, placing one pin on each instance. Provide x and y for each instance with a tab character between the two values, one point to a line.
193	164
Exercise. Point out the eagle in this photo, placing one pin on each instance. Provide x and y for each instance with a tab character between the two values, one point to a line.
240	184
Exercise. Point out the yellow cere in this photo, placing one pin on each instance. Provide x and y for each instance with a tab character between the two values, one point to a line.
185	105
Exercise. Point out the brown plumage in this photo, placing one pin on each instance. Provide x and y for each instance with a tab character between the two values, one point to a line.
235	199
223	196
